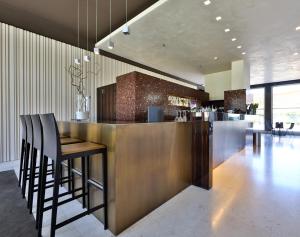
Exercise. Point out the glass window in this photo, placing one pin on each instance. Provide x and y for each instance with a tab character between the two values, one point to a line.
257	96
286	105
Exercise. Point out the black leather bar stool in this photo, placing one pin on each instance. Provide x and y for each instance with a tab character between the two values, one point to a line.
58	153
23	147
28	144
37	145
29	170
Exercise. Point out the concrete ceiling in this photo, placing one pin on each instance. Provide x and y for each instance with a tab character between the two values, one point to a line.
57	19
183	37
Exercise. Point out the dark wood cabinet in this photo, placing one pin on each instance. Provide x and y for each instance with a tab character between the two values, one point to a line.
202	155
106	103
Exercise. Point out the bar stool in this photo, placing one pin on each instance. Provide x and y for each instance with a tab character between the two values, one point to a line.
54	150
28	161
28	143
23	147
37	145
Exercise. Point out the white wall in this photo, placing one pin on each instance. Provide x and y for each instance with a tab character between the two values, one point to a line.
33	79
236	78
240	75
217	83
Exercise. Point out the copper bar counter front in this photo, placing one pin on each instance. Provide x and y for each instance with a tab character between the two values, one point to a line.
148	163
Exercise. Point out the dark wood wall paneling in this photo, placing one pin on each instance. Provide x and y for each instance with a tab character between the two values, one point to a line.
106	103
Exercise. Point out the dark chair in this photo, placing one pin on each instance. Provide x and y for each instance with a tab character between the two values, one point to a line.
23	147
37	145
28	144
58	153
290	129
279	126
29	174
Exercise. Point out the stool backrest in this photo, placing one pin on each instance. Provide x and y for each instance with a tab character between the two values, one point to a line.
24	128
52	147
37	132
29	129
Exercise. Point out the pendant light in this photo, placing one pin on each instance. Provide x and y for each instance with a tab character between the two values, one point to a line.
87	58
111	44
77	60
96	49
125	29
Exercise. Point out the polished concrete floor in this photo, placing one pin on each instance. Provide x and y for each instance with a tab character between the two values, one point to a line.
256	193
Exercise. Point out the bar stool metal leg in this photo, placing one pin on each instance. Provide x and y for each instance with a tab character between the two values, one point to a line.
55	197
69	175
104	170
32	179
83	180
73	179
25	169
39	190
41	195
21	161
87	183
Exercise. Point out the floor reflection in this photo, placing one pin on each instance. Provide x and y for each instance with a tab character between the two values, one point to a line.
255	193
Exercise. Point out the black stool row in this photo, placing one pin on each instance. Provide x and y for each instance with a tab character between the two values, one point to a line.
40	133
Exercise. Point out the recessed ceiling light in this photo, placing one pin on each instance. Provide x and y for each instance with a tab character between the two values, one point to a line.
243	53
239	47
216	58
227	30
296	54
233	39
297	28
218	18
207	2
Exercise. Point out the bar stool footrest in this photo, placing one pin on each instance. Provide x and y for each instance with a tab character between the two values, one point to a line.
95	184
63	194
74	218
65	201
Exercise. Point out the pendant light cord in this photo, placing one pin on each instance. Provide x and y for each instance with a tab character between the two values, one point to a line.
110	18
96	21
87	25
78	19
126	12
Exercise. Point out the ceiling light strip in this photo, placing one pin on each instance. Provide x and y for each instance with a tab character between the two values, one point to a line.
133	20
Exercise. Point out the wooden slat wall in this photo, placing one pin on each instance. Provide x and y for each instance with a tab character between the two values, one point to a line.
33	80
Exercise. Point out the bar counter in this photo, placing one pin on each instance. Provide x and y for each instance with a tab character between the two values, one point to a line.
148	163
